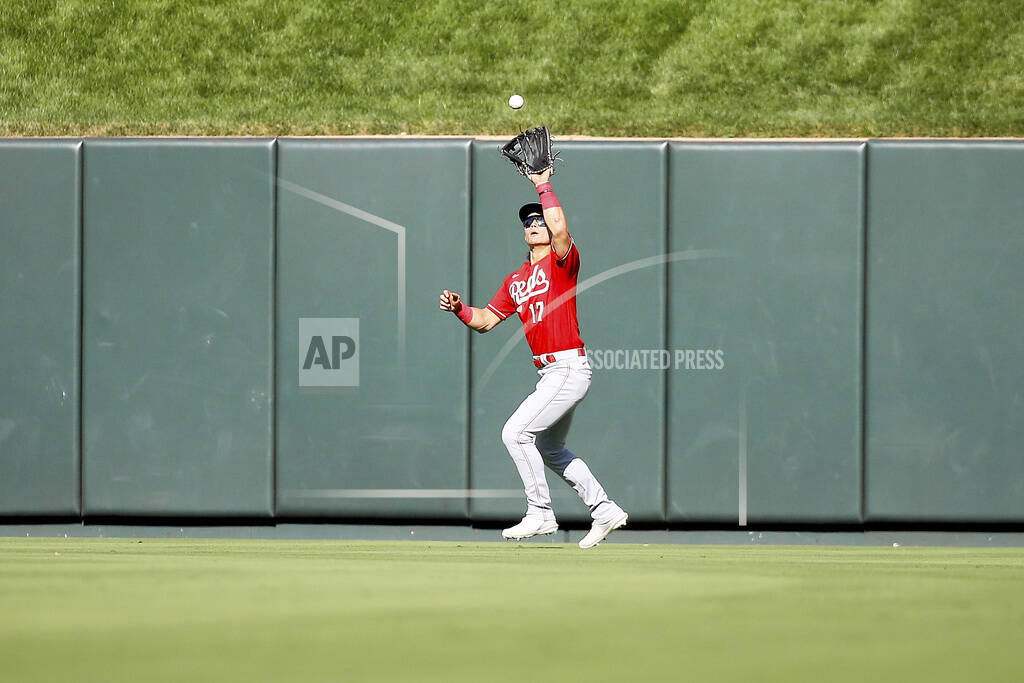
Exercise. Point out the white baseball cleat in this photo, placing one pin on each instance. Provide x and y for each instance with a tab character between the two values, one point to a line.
530	526
600	530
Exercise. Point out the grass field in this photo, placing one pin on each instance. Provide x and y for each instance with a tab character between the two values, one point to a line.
599	67
184	610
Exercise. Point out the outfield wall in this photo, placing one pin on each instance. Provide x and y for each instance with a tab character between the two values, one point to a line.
782	332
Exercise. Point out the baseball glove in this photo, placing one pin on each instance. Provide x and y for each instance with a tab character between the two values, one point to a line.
530	151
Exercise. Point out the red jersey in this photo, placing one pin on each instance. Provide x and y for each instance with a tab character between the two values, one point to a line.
544	296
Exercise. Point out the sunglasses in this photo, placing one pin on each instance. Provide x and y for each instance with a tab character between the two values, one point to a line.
534	221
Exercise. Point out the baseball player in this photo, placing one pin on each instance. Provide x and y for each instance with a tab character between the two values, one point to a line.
543	293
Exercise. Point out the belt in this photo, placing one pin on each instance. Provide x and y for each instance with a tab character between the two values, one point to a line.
549	358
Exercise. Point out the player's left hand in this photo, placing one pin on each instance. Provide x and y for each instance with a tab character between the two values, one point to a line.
540	178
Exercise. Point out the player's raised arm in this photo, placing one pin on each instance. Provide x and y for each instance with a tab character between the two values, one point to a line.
479	319
553	214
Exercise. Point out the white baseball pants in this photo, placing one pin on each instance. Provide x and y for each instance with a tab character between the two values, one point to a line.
535	437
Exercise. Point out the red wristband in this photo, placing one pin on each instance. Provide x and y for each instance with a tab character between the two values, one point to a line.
548	199
465	314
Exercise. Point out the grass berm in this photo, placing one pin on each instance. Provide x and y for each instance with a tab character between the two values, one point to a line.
660	68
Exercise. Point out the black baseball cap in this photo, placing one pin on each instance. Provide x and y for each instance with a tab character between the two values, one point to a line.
526	210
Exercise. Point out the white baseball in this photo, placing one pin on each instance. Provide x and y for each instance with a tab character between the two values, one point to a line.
516	101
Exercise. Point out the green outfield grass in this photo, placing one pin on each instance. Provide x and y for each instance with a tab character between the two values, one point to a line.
641	68
186	610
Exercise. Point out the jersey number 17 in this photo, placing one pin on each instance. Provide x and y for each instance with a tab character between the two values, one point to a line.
537	311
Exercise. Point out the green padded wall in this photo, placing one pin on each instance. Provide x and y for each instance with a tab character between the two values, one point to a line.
617	218
772	239
39	326
945	417
200	277
372	230
178	263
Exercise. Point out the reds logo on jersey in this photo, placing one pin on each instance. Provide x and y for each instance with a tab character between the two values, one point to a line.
523	290
530	289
